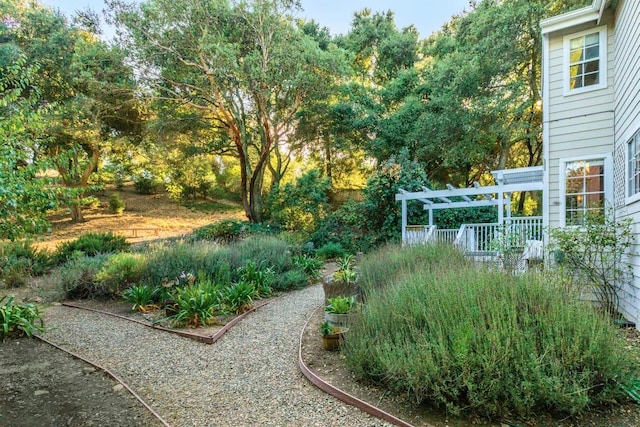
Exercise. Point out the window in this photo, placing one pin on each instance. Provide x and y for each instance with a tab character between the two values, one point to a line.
585	60
584	190
633	168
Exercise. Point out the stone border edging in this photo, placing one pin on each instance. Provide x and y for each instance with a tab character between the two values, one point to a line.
340	394
202	338
111	374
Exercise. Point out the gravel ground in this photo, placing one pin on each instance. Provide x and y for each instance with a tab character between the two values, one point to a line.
249	377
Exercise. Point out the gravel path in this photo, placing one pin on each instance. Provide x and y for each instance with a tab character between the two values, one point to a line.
248	378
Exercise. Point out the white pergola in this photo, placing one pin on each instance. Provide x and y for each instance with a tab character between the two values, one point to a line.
508	181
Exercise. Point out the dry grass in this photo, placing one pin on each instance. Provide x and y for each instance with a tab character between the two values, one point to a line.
141	212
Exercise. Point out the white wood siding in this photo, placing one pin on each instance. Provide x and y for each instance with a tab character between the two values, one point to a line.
578	124
627	113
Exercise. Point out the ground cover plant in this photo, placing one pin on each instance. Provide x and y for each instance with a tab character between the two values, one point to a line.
20	260
450	334
18	319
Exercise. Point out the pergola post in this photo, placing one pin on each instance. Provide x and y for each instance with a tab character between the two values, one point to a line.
404	221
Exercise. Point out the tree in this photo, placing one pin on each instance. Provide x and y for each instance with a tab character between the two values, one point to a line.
243	66
26	194
86	84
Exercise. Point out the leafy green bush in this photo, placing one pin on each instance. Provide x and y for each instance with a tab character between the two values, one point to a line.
292	279
225	231
259	276
330	251
141	296
116	204
147	183
77	277
238	297
310	265
91	244
197	304
20	260
483	341
346	227
121	271
19	319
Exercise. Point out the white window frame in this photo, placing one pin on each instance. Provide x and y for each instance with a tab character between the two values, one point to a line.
566	50
608	182
630	197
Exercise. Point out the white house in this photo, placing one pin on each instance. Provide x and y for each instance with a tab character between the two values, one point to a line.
591	120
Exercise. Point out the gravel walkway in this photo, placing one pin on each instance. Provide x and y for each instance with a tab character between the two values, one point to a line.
248	378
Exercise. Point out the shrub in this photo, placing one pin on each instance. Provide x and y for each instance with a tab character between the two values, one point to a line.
268	250
20	260
225	231
91	244
238	298
483	341
121	271
197	304
147	183
259	276
310	265
141	296
19	319
292	279
116	204
330	251
77	277
345	227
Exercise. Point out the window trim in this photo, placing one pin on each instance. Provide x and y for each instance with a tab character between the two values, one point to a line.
630	198
608	182
566	50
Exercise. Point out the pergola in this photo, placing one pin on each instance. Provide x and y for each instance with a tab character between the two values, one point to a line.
508	181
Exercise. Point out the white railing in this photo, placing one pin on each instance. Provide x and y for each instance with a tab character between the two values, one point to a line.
445	235
419	234
493	237
525	228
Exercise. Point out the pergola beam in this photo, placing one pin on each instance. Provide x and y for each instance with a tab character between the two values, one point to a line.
476	191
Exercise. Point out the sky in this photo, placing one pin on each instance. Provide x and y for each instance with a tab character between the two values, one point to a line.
426	15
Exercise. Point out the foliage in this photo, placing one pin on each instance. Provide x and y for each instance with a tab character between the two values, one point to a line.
77	277
340	305
300	206
310	265
330	251
142	296
347	227
482	341
593	256
147	183
20	260
345	272
454	218
90	244
26	195
19	319
241	88
238	297
382	215
120	271
259	276
326	329
291	279
197	304
224	231
116	204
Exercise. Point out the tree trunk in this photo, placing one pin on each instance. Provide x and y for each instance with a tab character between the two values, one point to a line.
76	211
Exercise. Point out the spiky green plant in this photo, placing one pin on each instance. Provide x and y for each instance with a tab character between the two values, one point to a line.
19	319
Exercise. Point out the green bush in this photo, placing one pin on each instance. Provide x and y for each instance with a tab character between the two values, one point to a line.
77	277
346	227
483	341
19	319
197	304
238	297
147	183
268	250
21	260
120	271
91	244
141	296
331	251
116	204
166	262
292	279
225	231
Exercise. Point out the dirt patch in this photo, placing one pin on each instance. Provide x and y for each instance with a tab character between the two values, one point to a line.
331	367
45	386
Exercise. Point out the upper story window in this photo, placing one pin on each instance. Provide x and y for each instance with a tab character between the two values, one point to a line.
633	168
585	61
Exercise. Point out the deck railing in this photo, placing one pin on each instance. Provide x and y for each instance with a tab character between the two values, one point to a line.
445	235
419	234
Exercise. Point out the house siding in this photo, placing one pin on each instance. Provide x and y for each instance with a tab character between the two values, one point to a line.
578	124
627	115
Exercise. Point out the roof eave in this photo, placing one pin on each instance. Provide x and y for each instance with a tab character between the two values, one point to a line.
576	17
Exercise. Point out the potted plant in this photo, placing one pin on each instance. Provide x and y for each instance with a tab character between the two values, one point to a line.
343	281
336	313
331	335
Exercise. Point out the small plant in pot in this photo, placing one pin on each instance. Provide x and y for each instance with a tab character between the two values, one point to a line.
331	335
338	309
